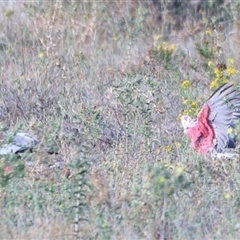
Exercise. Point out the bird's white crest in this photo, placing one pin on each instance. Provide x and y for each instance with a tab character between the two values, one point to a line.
187	122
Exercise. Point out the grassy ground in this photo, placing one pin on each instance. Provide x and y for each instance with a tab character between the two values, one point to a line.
102	85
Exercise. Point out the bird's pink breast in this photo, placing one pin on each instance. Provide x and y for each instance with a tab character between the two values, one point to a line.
202	133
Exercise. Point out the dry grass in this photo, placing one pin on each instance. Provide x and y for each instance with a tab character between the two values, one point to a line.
101	85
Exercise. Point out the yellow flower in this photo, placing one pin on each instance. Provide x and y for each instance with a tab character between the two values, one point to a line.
210	63
217	72
195	113
194	105
227	196
178	118
168	149
224	80
186	112
159	48
158	37
214	84
179	170
161	180
41	55
172	47
186	84
231	61
186	101
208	32
168	165
230	70
230	130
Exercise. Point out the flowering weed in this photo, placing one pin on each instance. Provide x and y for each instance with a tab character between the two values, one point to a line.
164	52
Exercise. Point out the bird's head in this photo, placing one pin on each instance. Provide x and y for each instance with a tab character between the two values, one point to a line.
187	123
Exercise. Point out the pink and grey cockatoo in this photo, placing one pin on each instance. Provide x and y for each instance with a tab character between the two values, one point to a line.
209	131
17	143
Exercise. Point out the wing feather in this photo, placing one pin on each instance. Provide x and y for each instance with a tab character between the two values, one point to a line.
224	106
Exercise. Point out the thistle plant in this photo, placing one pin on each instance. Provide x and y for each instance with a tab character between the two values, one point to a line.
80	188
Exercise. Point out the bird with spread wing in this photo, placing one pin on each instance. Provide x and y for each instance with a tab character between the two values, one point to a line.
209	131
18	142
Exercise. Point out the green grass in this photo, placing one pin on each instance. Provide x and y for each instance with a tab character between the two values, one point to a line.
101	85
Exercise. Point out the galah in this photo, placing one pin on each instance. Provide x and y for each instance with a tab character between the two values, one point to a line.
17	143
209	131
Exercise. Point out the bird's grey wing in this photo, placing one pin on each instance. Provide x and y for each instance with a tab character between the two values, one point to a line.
20	142
9	148
224	109
25	140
